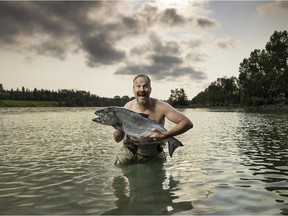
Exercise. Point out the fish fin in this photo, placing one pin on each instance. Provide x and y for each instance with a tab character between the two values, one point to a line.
173	143
117	127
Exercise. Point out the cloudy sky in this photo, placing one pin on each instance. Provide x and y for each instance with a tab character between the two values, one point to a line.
99	46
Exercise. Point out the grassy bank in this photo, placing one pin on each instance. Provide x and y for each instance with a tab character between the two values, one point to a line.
22	103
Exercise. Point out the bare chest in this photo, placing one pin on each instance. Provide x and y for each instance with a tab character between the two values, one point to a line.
153	112
157	117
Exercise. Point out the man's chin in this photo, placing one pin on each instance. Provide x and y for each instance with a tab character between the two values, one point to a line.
142	101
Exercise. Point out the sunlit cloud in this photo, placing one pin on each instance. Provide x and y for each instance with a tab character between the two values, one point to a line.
275	6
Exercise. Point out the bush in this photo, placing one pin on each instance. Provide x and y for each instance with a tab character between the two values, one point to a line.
257	101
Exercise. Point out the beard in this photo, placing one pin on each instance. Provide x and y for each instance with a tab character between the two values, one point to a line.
143	100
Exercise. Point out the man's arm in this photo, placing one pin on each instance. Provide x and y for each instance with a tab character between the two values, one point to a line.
182	123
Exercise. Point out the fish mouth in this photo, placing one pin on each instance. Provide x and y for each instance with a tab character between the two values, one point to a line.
98	120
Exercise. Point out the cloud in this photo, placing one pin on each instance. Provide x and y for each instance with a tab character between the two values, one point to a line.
101	50
153	15
205	22
57	28
99	28
162	72
191	72
192	42
164	61
165	47
227	43
24	20
158	66
196	57
275	6
53	48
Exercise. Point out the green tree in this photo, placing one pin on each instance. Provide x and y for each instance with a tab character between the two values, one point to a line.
277	50
253	77
215	94
223	91
178	97
264	75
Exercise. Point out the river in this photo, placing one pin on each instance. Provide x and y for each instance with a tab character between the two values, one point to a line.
57	161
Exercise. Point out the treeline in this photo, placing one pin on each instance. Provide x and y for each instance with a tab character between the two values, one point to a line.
64	97
263	78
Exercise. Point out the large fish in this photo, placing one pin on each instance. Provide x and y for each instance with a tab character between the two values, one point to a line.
133	124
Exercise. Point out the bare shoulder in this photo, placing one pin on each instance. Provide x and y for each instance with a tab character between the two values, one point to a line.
170	112
129	104
163	106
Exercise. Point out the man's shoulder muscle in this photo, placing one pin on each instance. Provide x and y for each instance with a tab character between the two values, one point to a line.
129	104
162	106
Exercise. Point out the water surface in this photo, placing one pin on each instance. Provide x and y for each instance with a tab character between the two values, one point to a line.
57	161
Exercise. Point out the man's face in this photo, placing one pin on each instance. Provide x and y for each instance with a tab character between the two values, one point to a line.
141	90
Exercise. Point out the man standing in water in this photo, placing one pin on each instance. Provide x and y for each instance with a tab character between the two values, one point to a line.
155	110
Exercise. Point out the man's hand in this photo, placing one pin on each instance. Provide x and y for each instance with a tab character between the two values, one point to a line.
157	135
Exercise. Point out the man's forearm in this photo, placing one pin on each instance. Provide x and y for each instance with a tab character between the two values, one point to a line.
180	128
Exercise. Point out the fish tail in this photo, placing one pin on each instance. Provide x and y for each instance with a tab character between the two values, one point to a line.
173	144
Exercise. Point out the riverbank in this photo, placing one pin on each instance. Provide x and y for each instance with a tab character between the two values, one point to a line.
261	107
270	107
23	103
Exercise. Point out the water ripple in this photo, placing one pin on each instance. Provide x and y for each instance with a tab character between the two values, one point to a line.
57	161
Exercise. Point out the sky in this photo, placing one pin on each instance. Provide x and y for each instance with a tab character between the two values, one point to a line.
100	46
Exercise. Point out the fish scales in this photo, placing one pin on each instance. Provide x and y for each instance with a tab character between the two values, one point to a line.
136	125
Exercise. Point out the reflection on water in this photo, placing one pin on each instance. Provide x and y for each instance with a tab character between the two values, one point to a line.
140	191
57	161
265	152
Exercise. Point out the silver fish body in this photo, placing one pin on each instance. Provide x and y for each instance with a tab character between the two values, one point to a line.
133	124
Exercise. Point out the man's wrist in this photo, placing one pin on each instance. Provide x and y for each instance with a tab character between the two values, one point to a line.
166	135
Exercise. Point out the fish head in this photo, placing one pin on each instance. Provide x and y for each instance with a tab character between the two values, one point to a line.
106	116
